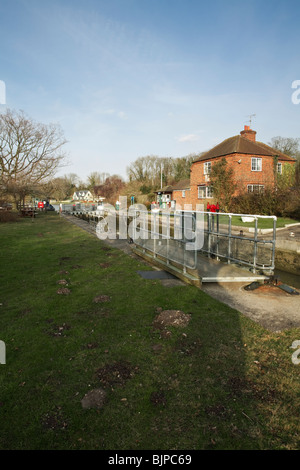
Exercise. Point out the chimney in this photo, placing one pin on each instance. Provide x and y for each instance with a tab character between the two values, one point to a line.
249	134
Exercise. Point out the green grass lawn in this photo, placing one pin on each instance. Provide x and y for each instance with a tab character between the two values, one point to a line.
223	382
262	223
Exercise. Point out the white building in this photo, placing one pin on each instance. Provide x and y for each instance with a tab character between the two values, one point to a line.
84	195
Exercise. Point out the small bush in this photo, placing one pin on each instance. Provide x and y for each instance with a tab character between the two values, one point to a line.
280	202
8	216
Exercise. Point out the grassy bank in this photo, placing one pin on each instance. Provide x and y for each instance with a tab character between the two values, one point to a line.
222	382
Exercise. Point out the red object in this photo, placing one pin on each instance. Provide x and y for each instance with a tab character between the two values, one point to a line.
41	205
217	207
213	208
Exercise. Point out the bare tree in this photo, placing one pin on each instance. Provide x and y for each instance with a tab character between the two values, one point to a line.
287	145
96	178
30	152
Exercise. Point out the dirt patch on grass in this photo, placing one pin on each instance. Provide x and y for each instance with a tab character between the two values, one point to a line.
116	374
217	411
104	265
175	318
62	282
94	399
101	298
188	347
63	291
92	346
239	386
54	420
58	330
158	398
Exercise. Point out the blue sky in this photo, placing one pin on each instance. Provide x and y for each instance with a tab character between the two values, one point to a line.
129	78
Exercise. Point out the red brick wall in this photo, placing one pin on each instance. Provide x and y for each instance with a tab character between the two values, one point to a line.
181	201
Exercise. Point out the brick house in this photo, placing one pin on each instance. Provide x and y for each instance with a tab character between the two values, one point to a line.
182	193
254	165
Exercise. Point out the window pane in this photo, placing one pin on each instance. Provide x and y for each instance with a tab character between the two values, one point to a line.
209	191
201	192
207	168
256	164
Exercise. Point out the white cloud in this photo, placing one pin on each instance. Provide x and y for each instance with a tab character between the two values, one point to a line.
189	138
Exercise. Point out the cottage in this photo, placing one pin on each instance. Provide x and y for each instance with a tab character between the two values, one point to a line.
254	166
84	195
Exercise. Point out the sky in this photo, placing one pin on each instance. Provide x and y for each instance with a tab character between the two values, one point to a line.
131	78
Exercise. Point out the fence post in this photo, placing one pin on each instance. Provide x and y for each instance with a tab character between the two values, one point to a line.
229	239
255	245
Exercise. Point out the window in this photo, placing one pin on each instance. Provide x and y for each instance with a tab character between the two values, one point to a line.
205	192
256	188
256	164
183	193
201	192
207	168
279	168
209	191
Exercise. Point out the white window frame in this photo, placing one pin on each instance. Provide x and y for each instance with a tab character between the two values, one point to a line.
256	164
183	193
207	168
207	191
260	188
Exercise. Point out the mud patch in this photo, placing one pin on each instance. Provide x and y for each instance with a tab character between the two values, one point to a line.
58	330
104	265
217	411
239	386
116	374
158	398
101	298
62	282
63	291
54	420
91	346
175	318
188	347
94	399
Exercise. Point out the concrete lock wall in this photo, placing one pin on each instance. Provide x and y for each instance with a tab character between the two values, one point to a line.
287	260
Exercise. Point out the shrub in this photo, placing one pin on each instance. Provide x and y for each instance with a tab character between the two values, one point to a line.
8	216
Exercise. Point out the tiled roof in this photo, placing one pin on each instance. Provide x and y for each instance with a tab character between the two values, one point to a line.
239	144
183	184
166	189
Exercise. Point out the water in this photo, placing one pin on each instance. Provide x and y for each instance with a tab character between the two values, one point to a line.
292	280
